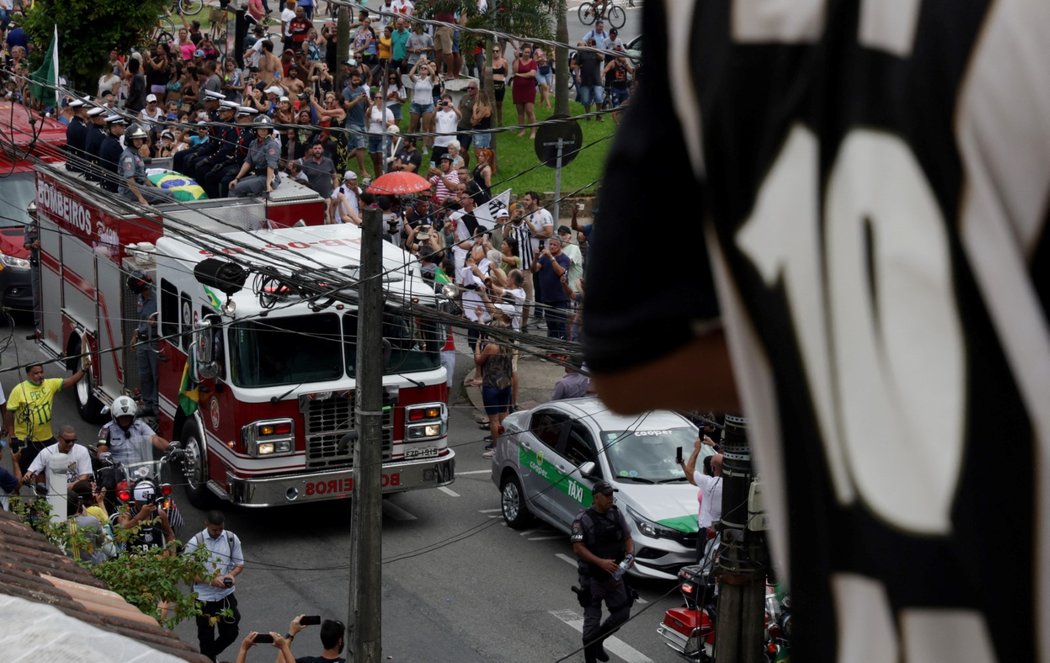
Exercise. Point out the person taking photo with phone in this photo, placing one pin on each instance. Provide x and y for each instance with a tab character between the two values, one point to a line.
216	592
333	638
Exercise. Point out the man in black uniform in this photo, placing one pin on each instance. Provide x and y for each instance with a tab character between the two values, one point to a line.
601	539
219	177
871	275
76	134
222	150
95	134
109	153
180	163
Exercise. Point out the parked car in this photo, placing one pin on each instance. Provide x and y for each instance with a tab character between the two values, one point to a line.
548	459
16	288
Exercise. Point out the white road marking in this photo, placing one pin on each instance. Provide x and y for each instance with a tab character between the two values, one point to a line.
527	532
612	643
565	558
396	512
488	510
460	474
496	516
546	538
448	491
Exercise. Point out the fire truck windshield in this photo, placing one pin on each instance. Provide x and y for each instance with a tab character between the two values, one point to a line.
272	352
17	190
281	351
413	344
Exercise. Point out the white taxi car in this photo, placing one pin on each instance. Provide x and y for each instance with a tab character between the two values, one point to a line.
551	455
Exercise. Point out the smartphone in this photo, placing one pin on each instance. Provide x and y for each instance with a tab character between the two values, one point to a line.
678	455
15	446
310	620
264	638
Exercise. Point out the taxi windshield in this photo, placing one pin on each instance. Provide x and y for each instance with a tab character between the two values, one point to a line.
648	456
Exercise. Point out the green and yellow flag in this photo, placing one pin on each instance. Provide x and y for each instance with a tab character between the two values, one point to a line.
188	394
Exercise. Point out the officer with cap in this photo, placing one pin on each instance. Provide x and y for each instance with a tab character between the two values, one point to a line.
223	148
601	539
95	134
180	162
109	153
134	185
263	156
145	339
222	140
219	178
216	173
76	134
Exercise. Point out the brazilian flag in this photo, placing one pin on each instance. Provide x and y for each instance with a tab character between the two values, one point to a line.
188	394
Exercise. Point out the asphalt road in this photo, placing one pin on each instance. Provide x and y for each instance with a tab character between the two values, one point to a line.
458	585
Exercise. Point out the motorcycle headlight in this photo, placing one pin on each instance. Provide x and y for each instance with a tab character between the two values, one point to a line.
649	528
13	262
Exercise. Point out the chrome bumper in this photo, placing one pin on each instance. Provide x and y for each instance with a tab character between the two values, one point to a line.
335	484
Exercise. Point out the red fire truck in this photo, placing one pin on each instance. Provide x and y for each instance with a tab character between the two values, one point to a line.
273	369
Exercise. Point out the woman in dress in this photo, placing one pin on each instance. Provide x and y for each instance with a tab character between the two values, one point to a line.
523	89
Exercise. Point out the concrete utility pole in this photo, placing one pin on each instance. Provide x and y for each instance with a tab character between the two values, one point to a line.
366	526
742	560
342	44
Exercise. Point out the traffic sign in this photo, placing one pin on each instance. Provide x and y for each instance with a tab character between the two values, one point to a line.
547	136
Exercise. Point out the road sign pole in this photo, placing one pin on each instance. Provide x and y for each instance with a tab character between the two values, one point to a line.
557	181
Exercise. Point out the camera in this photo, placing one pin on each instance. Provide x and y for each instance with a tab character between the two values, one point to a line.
227	582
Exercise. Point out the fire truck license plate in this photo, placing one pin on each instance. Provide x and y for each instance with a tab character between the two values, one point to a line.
425	452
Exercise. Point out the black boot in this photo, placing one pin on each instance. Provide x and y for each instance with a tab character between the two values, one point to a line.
600	653
590	654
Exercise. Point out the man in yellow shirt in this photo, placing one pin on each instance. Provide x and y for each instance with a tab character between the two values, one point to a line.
28	414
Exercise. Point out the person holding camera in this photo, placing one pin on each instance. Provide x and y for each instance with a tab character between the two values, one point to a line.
217	592
423	78
446	123
282	644
150	526
346	200
333	638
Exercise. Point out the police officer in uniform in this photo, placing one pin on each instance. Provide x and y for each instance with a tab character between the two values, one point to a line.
223	153
221	175
601	539
76	134
134	185
181	162
263	156
95	134
109	153
145	339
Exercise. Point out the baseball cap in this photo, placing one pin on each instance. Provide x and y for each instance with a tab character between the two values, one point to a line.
349	175
445	157
503	213
273	89
604	487
151	97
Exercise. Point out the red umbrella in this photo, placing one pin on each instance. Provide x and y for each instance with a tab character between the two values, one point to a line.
398	183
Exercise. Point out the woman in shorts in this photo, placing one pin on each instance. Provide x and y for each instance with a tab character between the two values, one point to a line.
493	359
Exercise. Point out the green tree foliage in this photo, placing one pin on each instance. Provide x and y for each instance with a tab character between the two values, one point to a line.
157	581
88	30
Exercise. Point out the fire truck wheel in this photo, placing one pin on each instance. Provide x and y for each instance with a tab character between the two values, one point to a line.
195	466
512	502
88	405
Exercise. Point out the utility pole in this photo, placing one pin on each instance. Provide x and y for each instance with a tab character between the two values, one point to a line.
742	560
342	43
366	525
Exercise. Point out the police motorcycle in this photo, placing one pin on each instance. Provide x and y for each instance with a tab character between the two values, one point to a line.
690	630
144	482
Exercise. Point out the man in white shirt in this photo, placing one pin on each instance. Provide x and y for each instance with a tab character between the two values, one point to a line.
79	468
346	201
575	257
710	493
216	591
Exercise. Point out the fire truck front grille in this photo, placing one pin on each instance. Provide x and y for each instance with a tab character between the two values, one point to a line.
328	422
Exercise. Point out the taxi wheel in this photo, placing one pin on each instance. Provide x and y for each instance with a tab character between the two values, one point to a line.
512	503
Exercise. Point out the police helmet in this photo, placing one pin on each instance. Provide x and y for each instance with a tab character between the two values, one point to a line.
135	131
263	122
139	282
123	406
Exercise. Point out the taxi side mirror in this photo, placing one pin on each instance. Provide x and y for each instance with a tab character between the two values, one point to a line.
587	471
